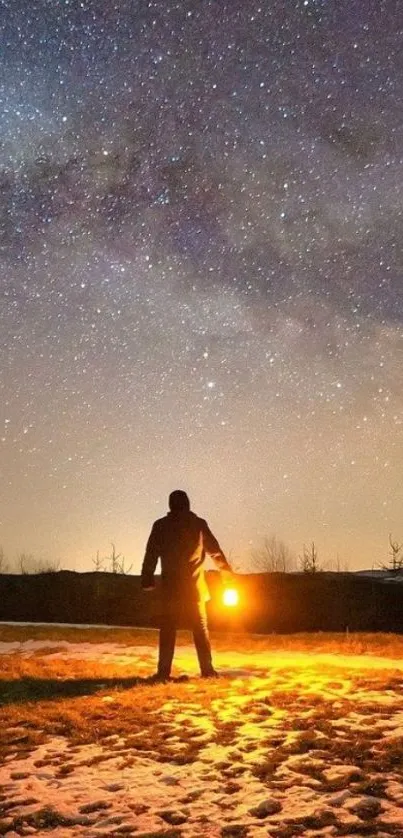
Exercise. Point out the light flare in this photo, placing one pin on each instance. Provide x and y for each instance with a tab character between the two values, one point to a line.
230	597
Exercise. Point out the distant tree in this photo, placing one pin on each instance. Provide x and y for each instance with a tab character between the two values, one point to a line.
336	565
114	563
342	567
309	559
4	566
273	556
98	563
49	566
396	557
27	563
117	562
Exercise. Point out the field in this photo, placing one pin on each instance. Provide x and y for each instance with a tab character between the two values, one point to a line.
301	736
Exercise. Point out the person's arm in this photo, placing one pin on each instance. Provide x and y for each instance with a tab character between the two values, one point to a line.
213	548
150	561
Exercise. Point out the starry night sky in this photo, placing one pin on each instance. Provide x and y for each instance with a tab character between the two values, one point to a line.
201	274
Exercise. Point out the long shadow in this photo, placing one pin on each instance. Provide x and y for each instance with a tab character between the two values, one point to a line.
46	689
40	689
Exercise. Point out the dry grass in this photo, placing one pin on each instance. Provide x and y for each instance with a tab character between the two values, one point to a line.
88	719
87	701
43	676
74	634
304	719
353	643
14	668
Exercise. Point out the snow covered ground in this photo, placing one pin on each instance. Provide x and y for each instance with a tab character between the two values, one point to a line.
284	744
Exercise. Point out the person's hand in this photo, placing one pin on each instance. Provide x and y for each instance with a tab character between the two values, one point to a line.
227	576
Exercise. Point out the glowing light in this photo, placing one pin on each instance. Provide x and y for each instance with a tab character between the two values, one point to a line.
230	597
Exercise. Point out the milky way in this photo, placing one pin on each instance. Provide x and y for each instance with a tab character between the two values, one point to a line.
201	274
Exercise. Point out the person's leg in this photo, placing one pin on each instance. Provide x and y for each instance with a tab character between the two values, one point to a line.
166	649
201	639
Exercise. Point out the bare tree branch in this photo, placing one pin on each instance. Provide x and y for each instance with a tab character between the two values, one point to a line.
274	556
309	559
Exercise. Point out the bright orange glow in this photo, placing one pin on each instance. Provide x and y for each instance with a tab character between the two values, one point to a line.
230	597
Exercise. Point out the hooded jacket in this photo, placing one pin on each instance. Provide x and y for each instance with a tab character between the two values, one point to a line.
181	540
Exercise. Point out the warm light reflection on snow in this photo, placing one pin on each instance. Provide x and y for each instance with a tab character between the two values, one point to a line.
289	738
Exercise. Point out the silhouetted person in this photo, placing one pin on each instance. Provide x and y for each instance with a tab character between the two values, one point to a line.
181	540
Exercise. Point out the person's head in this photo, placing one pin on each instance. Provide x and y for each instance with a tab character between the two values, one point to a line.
179	501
